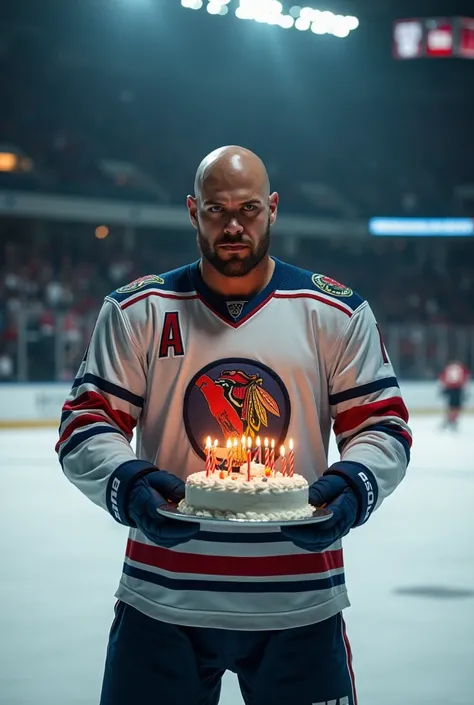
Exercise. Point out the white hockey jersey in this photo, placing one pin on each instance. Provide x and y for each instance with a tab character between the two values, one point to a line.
179	363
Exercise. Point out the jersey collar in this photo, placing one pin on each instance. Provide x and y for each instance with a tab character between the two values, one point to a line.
218	304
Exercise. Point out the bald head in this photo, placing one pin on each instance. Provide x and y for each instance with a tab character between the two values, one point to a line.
232	211
230	168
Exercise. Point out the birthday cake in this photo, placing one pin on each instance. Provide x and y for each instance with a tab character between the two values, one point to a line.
248	493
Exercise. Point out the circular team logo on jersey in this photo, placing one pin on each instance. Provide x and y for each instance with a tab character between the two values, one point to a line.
138	283
234	397
331	286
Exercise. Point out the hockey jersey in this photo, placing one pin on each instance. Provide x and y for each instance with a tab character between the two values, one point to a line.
454	376
177	363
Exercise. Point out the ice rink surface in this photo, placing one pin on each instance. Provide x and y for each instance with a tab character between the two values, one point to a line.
410	574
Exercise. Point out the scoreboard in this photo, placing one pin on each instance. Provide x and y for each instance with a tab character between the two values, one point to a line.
433	37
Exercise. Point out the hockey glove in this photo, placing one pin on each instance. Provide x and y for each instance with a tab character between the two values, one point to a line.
149	492
335	492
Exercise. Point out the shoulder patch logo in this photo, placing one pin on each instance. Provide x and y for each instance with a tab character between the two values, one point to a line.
330	286
141	281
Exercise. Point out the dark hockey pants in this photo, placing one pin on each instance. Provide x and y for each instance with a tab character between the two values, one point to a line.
155	663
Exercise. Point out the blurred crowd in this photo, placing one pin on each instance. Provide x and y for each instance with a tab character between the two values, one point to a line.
120	138
53	279
95	105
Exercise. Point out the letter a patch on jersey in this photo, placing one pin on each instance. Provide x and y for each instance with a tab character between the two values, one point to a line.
171	338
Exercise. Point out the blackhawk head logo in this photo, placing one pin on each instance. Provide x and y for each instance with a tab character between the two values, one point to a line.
247	399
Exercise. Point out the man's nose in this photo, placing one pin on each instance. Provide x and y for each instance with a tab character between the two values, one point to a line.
233	227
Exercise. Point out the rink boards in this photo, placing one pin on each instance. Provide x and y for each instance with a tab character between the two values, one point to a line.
39	405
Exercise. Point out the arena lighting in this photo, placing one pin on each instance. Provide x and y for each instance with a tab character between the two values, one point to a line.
8	161
302	24
101	232
421	227
218	7
272	12
192	4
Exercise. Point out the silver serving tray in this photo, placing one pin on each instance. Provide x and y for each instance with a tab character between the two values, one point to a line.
171	511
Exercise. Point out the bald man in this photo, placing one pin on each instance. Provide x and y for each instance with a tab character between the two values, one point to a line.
235	250
236	343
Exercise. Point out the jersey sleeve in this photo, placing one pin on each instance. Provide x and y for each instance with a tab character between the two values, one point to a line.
370	417
100	413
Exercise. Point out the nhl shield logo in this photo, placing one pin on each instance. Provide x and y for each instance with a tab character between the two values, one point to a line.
235	308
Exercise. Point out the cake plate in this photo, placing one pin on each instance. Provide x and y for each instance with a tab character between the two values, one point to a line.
171	511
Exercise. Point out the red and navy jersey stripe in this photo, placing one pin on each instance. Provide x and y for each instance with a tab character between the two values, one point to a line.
95	414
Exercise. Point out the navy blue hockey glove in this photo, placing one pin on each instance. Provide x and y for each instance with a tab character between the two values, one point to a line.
149	492
349	491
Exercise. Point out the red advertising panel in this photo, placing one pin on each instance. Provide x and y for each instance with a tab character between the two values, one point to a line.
439	38
433	37
466	38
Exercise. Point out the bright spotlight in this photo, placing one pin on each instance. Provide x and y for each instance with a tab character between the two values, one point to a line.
318	27
192	4
286	21
351	22
272	12
307	13
341	31
214	8
302	24
245	11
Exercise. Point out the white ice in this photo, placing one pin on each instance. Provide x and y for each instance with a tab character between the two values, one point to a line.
62	558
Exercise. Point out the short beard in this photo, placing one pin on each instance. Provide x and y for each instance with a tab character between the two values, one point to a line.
234	266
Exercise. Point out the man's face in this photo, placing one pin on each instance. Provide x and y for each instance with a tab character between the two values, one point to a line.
233	228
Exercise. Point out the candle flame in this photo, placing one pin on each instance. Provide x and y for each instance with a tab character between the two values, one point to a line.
265	442
273	442
243	440
249	442
282	451
208	442
215	443
258	441
291	444
235	443
229	444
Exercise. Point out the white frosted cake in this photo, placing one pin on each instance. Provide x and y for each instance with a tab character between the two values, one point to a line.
233	496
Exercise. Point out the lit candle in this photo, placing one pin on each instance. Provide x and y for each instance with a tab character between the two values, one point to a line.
214	466
208	456
283	460
291	458
258	457
272	456
249	456
229	455
267	454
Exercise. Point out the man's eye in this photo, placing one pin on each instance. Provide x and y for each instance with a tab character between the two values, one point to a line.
215	209
250	206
